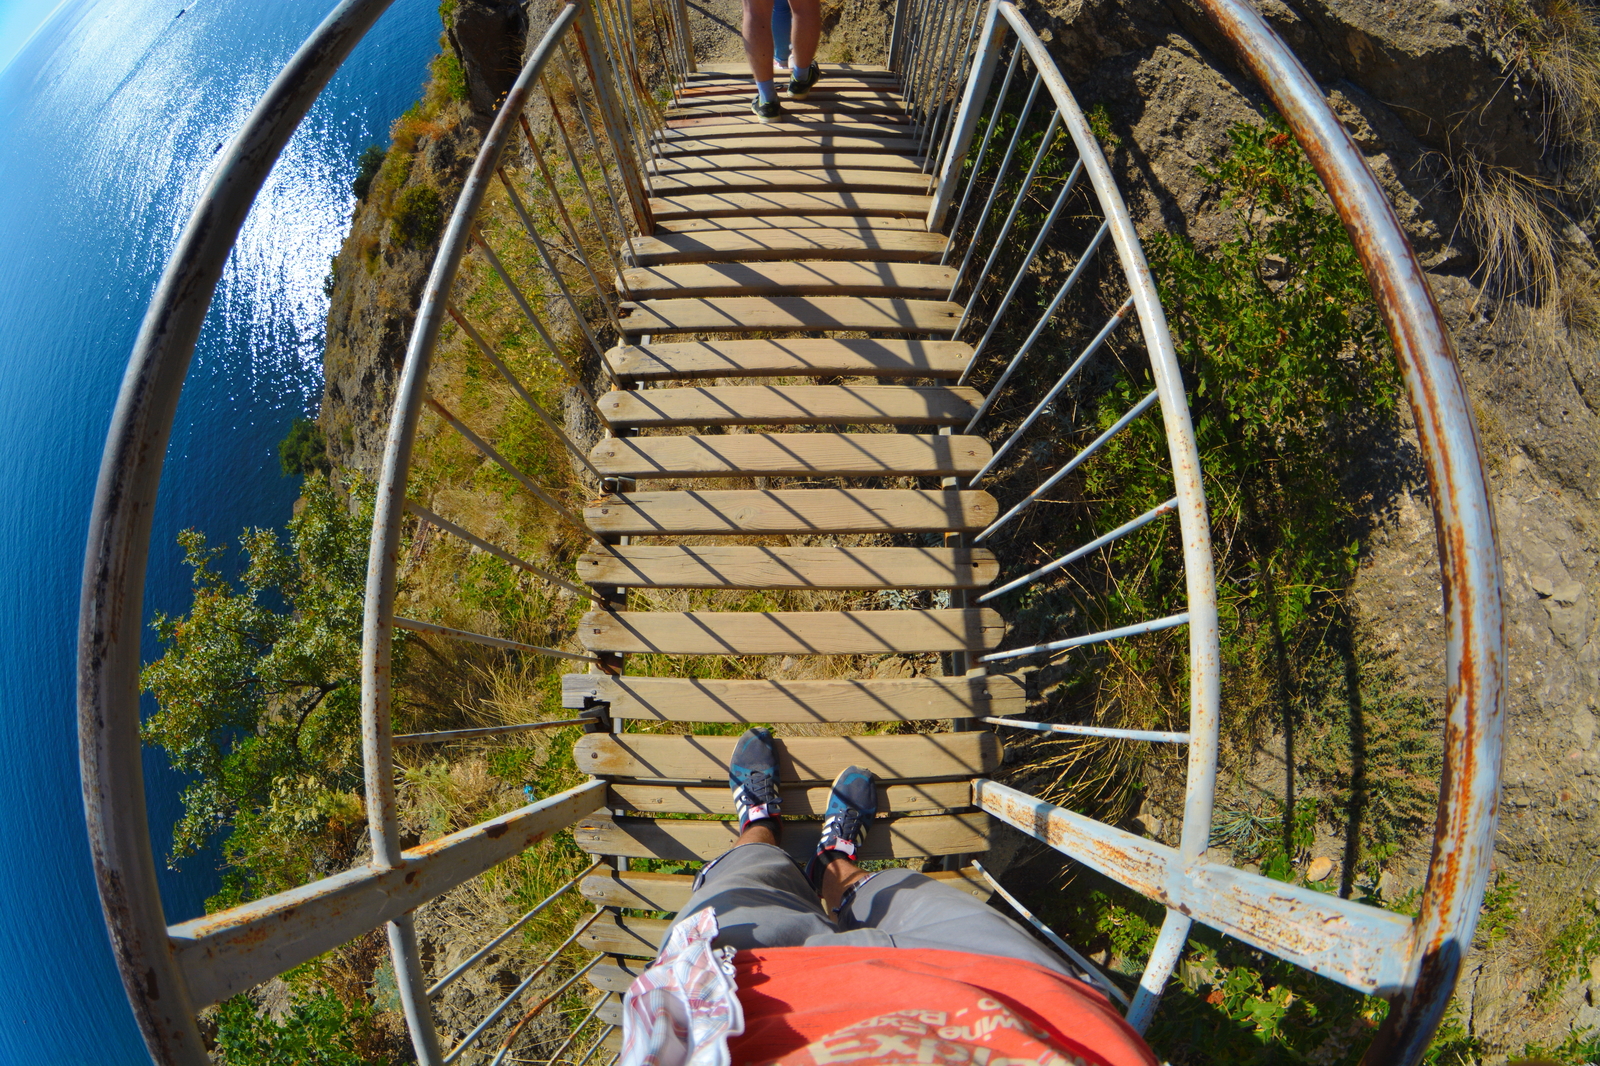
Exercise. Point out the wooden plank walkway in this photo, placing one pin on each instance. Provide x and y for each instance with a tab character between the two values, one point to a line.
817	458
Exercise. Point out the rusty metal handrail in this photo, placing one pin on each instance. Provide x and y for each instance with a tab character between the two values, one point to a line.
1469	557
110	615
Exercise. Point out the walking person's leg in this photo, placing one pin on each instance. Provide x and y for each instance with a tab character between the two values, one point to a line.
806	32
755	889
782	24
758	53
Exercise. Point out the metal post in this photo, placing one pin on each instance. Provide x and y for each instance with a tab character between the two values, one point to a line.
1163	959
614	119
991	38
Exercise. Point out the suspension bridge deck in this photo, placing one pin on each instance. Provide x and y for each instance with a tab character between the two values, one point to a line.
810	233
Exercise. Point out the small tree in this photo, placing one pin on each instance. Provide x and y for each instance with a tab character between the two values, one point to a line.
259	693
366	170
305	449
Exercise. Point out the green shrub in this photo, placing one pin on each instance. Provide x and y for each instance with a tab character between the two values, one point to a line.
418	216
318	1030
305	450
371	161
448	76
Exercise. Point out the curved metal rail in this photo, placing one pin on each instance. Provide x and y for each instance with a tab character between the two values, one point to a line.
936	44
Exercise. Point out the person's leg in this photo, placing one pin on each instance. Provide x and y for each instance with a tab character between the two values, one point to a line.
755	889
782	22
919	912
807	31
758	39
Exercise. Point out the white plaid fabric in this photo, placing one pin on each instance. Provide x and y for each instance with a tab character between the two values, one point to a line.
682	1010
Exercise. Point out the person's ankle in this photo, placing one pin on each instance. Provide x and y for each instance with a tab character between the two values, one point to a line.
761	831
767	91
838	876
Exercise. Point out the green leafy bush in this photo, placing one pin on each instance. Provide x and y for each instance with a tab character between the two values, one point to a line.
259	694
418	216
318	1030
449	76
305	450
366	170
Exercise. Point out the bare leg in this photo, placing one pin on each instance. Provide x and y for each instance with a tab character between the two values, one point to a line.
758	37
763	832
806	33
837	876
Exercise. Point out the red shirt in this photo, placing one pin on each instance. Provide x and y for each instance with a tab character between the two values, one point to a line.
815	1006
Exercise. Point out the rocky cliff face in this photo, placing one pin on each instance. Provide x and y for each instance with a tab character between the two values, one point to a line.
1426	88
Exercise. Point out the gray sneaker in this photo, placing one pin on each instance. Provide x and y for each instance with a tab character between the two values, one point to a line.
801	82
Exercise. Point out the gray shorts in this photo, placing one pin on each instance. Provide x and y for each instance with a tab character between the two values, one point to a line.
762	901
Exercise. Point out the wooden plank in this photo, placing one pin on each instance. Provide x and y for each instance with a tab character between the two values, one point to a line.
616	974
791	632
901	699
792	405
796	116
798	357
742	141
777	511
738	70
848	88
638	938
748	161
798	800
609	1013
925	280
841	223
749	127
717	204
791	455
751	245
746	566
801	760
730	314
685	840
812	178
670	892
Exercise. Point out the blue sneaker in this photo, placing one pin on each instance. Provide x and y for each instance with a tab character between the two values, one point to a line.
852	804
753	777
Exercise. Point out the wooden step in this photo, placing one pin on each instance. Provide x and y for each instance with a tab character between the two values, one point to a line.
816	243
812	179
742	142
826	89
791	632
801	760
684	840
905	699
750	161
818	204
779	511
791	455
641	891
614	934
744	566
798	800
617	973
924	280
798	357
792	405
749	128
853	102
739	71
729	314
762	223
607	1013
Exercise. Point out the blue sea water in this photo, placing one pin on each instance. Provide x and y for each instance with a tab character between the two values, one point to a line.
110	119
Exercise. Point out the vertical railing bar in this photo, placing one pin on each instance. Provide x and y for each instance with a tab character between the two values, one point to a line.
1137	629
583	180
1039	408
1044	319
945	18
999	178
1073	464
919	44
1011	218
561	282
1050	934
505	464
613	114
1093	546
681	8
983	148
511	997
594	143
959	33
498	552
941	139
571	231
516	384
544	335
1033	254
617	67
1163	960
444	982
577	1031
587	1055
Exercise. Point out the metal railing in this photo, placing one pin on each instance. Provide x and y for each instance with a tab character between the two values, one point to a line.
1413	963
584	73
